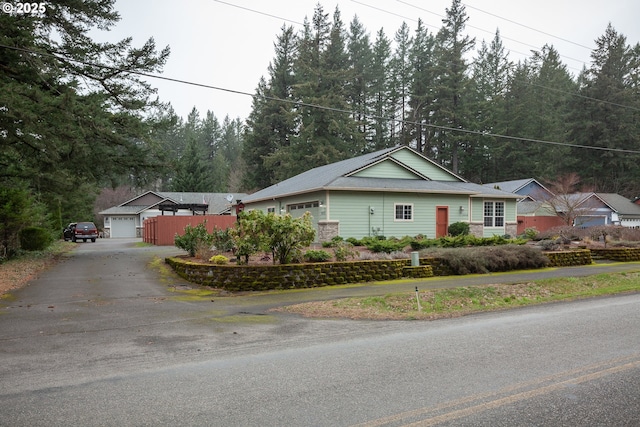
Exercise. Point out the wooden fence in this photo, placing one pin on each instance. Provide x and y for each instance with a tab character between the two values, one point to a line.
161	230
540	223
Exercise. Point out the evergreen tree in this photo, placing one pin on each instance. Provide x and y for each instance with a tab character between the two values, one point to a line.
491	70
194	172
360	63
272	123
608	115
72	111
421	92
380	90
453	87
401	78
327	132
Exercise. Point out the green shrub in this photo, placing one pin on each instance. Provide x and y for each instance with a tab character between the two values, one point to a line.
219	259
458	229
335	241
354	241
317	256
344	250
489	259
386	246
194	240
420	244
35	238
222	240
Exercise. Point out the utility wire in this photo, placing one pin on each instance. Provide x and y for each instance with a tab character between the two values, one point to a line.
532	84
468	25
258	12
321	107
526	26
483	30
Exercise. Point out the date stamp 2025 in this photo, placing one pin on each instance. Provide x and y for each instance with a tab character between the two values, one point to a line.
23	8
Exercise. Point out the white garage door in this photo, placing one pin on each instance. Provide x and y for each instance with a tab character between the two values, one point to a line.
123	226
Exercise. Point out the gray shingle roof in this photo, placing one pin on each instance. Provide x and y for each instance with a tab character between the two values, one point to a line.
620	204
335	176
217	202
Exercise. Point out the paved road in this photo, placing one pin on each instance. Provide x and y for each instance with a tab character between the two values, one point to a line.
101	339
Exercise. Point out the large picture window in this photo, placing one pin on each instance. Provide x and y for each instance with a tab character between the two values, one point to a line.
494	214
404	212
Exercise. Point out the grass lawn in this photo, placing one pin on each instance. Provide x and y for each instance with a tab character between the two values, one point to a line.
454	302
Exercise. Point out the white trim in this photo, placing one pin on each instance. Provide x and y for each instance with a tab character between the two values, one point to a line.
395	212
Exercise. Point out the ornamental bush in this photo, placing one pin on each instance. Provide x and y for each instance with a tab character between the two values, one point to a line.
35	238
195	239
317	256
219	259
459	229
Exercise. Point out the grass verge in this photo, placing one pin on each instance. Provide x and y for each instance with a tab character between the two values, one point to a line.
455	302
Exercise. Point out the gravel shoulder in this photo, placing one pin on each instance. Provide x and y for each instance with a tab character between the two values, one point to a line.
16	273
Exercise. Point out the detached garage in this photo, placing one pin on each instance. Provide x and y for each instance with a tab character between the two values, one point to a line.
126	220
122	226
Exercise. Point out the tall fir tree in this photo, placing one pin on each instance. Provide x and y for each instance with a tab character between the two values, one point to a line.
273	122
358	90
401	78
380	90
607	115
453	88
422	96
491	70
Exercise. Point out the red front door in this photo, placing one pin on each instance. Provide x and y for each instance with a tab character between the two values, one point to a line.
442	221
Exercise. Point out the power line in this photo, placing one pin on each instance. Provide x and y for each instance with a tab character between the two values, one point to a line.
486	31
527	27
339	110
258	12
468	25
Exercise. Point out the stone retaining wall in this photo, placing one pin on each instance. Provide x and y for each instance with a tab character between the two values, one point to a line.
569	258
617	254
293	276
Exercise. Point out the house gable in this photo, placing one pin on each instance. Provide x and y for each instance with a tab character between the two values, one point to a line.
424	166
146	199
387	169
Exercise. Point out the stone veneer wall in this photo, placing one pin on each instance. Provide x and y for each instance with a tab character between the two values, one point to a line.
569	258
293	276
617	254
327	230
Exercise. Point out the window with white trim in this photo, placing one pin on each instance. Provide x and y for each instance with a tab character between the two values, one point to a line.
271	209
494	214
403	212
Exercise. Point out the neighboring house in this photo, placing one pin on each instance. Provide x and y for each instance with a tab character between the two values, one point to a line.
126	219
392	192
530	189
533	209
605	209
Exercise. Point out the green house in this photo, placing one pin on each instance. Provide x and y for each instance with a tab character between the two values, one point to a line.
393	192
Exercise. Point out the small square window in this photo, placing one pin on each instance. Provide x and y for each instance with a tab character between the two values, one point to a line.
404	212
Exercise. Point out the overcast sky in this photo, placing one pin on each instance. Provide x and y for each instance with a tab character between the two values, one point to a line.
229	44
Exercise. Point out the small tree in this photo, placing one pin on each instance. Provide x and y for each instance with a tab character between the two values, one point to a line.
286	235
195	239
568	203
248	235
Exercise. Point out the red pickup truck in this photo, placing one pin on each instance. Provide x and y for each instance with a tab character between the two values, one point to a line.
81	231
